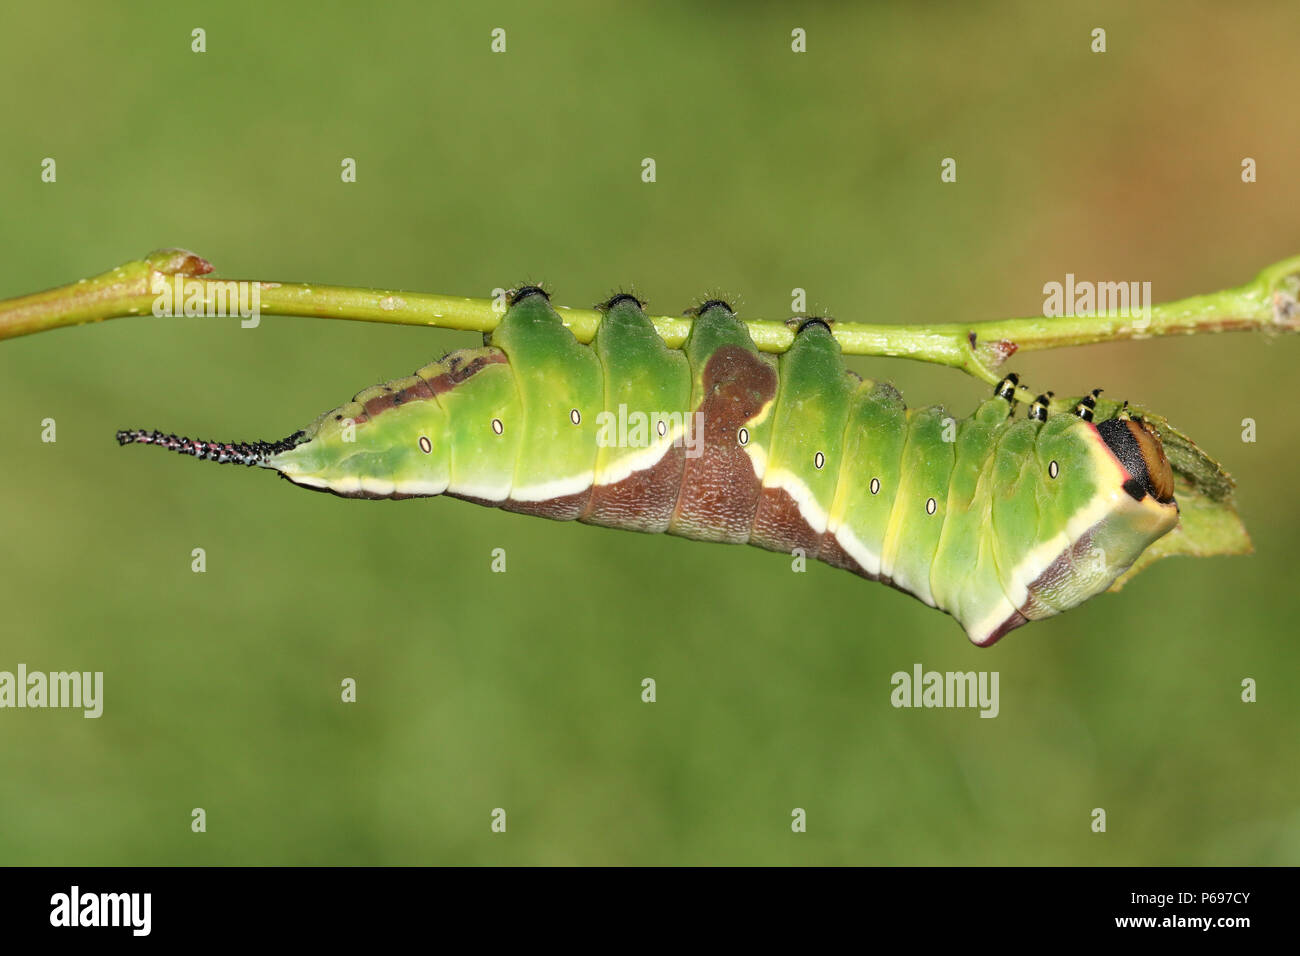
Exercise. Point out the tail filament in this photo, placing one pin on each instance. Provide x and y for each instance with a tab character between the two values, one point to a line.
238	453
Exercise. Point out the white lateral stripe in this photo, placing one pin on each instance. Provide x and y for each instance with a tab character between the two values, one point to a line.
804	499
556	488
867	559
374	486
497	492
638	459
1041	558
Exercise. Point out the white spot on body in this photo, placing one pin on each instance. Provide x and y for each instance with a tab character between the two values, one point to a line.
497	426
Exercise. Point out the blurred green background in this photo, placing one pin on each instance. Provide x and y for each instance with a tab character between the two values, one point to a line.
522	691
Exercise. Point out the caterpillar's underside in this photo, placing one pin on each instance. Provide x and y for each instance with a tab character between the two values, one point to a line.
996	520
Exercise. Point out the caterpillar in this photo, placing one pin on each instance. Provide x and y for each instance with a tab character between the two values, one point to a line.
996	519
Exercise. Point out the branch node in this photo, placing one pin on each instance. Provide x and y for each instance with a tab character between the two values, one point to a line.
174	262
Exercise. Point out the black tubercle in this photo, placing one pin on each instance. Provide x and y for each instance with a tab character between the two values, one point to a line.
801	323
713	303
619	299
1038	410
1118	436
237	453
523	292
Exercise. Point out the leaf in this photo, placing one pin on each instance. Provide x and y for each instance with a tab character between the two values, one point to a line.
1205	527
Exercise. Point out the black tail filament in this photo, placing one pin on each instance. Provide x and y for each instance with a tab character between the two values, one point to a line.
237	453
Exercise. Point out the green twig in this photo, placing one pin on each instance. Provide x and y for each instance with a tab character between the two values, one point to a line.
979	348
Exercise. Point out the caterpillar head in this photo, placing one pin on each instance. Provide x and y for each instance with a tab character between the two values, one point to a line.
1137	446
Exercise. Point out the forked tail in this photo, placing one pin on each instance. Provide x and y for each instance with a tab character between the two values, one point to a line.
237	453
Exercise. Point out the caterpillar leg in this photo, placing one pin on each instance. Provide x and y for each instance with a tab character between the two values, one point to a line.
1087	406
1010	390
1007	388
1038	410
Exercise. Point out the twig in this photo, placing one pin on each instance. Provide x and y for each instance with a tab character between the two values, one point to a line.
979	348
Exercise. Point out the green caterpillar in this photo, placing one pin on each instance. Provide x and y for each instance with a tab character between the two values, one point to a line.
996	520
